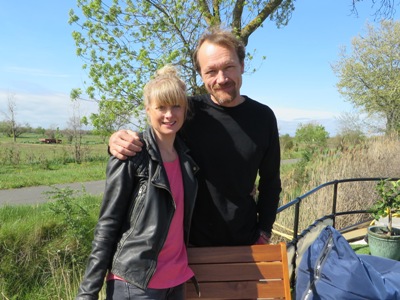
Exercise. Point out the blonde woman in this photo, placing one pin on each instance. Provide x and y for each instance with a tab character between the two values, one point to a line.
140	239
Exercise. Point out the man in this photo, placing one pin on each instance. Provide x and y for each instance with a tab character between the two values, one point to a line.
233	139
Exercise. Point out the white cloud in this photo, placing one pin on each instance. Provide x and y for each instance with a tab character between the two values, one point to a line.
290	118
300	115
44	109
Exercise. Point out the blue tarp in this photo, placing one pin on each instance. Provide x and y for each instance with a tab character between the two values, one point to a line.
330	269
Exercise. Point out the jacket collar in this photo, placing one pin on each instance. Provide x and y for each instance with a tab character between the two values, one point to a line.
152	147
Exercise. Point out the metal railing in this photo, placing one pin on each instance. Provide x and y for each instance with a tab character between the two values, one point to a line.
297	204
335	183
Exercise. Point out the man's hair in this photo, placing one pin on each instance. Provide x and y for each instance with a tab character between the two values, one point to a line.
222	37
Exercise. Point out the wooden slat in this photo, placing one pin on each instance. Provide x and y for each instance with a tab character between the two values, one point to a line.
238	253
285	267
240	272
237	290
355	235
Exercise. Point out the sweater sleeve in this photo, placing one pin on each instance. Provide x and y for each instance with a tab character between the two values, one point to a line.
269	185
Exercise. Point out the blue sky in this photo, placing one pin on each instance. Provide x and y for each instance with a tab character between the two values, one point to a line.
39	67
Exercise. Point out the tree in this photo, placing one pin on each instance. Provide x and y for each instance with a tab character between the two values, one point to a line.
123	42
369	77
385	8
311	136
75	132
351	129
13	129
286	142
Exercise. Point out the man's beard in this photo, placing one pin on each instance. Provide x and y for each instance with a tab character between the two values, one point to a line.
225	99
222	101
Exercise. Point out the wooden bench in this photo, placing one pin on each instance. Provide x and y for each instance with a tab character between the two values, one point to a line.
240	272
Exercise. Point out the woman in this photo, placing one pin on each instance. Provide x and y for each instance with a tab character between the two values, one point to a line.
147	207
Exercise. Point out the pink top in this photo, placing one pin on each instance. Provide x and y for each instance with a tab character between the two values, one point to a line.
172	264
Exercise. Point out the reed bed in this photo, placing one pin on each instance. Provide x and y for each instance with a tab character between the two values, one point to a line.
376	157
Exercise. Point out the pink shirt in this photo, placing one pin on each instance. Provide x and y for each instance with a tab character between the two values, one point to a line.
172	264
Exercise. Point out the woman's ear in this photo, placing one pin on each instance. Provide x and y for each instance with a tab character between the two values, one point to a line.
147	114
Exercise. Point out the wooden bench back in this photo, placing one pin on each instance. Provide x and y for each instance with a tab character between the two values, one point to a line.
240	272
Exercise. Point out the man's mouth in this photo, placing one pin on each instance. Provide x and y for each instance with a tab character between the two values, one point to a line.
224	87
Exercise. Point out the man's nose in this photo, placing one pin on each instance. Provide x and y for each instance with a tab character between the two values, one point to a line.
221	77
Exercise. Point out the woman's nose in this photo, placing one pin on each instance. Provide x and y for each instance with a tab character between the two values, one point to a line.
168	112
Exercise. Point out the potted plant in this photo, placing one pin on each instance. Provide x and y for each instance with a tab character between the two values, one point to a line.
385	240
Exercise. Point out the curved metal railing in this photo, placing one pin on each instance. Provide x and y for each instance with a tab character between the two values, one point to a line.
297	204
335	183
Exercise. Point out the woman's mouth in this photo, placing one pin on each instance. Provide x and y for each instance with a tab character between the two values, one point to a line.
169	123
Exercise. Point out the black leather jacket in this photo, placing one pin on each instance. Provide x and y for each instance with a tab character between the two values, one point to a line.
135	216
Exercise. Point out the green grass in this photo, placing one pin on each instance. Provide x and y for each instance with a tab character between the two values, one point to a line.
31	175
31	163
43	248
360	248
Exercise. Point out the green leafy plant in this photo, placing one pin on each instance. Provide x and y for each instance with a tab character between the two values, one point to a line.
388	203
73	214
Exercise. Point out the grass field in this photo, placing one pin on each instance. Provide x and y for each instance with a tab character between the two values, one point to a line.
28	162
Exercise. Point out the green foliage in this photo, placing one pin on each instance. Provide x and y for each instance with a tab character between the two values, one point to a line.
388	202
369	77
311	142
124	42
8	128
287	144
40	255
70	211
311	137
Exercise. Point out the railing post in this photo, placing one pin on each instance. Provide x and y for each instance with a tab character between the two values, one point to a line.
334	201
296	218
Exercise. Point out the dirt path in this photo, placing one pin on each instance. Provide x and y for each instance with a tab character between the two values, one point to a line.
35	195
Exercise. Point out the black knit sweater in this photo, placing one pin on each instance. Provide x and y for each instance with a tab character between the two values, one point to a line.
232	145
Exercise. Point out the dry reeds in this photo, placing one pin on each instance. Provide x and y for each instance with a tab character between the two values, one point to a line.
377	157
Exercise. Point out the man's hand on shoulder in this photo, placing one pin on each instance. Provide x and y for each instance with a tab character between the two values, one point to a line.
124	143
